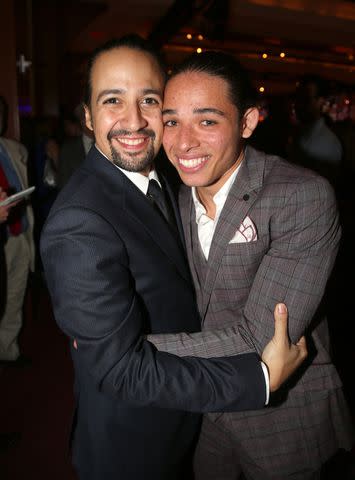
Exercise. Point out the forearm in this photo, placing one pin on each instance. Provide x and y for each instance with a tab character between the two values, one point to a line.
207	344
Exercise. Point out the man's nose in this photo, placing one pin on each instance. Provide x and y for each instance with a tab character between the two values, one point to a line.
187	138
134	119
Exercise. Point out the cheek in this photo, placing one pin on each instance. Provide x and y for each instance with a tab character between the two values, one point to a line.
215	142
157	126
106	120
224	149
168	139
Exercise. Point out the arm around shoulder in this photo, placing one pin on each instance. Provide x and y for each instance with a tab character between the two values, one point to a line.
89	279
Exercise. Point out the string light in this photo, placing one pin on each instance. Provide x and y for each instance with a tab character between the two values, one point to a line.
200	37
189	36
264	55
282	54
261	89
199	50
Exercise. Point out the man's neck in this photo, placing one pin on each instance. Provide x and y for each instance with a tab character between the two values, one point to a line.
206	194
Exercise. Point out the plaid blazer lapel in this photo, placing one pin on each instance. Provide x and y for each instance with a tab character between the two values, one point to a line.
187	213
240	199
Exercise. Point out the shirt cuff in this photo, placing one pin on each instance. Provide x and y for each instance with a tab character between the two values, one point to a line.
267	382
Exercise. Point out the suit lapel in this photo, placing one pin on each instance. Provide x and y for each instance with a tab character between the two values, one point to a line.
138	206
240	199
187	212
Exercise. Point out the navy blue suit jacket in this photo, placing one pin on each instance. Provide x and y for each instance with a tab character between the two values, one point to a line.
115	272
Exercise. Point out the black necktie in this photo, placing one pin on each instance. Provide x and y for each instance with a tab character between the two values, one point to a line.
157	197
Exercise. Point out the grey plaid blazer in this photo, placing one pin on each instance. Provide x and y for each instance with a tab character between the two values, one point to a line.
295	215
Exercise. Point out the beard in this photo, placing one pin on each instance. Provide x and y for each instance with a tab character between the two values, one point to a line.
132	162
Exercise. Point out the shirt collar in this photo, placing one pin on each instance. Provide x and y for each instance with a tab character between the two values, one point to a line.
219	198
139	180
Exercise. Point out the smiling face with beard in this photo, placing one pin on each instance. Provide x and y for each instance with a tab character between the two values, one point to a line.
132	161
125	108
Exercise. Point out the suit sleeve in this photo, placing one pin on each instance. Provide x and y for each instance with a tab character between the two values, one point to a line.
305	235
94	301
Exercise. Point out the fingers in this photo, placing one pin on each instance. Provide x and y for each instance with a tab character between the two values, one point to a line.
280	316
281	357
75	344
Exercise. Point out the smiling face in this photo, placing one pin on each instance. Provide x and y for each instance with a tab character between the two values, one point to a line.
202	129
125	108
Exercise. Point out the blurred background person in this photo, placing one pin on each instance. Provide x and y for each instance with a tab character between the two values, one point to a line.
18	242
315	145
74	148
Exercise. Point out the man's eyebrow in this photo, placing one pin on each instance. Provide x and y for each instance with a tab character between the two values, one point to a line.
209	110
111	91
169	111
151	91
199	111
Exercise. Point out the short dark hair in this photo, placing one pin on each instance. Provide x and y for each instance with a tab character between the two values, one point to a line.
226	67
133	41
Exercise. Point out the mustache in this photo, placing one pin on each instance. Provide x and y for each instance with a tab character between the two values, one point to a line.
127	133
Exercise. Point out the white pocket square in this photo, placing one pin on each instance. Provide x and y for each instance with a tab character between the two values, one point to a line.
245	233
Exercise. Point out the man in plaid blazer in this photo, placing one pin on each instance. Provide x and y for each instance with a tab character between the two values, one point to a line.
258	230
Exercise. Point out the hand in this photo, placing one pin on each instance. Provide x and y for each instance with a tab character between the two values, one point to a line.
280	356
4	211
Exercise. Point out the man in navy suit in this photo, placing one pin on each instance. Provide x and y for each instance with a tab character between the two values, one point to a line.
116	271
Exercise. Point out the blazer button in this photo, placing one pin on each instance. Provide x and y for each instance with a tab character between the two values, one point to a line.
246	197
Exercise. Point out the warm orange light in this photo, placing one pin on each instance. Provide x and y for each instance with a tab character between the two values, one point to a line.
261	89
189	36
200	37
351	57
264	55
282	54
199	50
347	101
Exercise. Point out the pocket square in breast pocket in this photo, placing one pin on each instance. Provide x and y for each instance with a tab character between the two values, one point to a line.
245	233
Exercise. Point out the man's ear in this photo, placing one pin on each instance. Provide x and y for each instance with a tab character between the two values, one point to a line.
88	121
250	121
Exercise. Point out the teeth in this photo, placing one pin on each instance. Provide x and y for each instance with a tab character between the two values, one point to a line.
130	141
193	162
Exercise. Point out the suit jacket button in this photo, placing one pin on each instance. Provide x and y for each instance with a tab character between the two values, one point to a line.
246	197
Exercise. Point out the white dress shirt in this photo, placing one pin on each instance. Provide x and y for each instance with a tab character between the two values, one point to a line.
207	225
